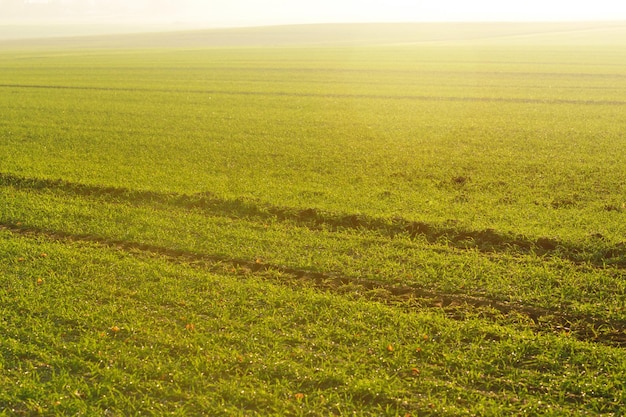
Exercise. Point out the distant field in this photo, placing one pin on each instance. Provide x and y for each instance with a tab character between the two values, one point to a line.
386	220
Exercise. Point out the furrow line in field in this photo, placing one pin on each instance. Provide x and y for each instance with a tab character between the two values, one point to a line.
332	95
458	306
486	241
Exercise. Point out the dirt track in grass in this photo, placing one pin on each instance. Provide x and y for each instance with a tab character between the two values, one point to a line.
485	241
457	306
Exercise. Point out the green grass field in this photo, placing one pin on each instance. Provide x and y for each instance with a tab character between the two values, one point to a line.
371	220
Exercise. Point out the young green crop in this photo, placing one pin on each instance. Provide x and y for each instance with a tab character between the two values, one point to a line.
93	330
536	152
499	272
424	229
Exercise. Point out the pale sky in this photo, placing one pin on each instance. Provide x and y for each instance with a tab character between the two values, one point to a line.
266	12
307	11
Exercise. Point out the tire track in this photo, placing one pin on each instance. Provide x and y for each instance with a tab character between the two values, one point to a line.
457	306
485	241
334	96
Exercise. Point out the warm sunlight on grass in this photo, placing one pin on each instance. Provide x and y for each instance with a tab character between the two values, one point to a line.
396	220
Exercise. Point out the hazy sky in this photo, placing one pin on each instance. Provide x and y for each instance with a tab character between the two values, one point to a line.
406	10
261	12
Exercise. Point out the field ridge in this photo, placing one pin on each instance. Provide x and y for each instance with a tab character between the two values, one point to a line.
457	306
486	240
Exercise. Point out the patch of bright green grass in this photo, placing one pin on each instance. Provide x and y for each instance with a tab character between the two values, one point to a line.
550	282
523	140
87	329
